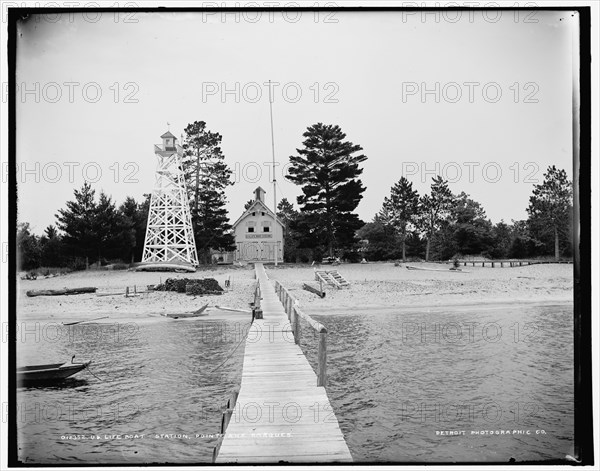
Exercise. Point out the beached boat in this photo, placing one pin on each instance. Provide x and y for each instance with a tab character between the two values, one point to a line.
183	315
50	372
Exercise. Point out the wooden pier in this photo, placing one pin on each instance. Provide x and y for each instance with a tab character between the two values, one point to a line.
508	263
281	413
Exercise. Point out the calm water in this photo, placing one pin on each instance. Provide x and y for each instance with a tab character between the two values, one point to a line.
156	379
395	379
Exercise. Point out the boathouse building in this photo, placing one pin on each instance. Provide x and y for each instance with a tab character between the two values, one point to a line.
258	233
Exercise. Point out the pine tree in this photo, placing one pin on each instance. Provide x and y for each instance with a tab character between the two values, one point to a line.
434	208
471	229
327	169
400	210
52	248
128	219
77	223
28	248
550	210
91	229
207	176
288	216
107	227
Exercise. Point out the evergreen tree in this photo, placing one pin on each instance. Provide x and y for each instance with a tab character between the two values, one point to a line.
382	240
207	176
471	229
77	222
141	223
128	230
522	244
288	216
28	248
52	248
550	211
502	239
108	228
434	208
92	230
327	169
50	232
400	210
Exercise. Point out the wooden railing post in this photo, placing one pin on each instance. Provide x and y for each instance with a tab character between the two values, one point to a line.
228	412
297	328
322	365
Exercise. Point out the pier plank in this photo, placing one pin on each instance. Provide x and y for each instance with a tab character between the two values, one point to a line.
281	415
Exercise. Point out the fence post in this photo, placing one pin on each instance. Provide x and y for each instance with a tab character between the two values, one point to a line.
283	299
322	376
293	322
297	326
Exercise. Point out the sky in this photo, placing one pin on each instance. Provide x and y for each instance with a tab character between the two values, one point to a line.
482	100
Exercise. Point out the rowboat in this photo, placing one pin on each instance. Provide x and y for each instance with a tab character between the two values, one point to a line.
49	372
184	315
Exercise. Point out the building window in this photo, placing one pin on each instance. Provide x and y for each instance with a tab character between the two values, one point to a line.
250	226
262	214
266	225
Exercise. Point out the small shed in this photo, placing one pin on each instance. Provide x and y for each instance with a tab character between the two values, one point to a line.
258	233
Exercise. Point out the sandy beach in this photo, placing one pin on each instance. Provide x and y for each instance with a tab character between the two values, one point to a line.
372	285
383	285
109	300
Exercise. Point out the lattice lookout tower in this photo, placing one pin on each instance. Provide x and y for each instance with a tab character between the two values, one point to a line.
169	233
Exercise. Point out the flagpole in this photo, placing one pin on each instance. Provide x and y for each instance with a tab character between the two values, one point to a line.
274	179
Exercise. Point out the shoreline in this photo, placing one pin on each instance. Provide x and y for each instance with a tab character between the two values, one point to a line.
452	306
373	286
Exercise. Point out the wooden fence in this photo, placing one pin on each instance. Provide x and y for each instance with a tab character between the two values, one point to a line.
294	314
508	263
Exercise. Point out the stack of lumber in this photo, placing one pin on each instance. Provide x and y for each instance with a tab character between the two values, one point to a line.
331	277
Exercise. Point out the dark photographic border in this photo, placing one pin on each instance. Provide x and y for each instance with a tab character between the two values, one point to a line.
583	400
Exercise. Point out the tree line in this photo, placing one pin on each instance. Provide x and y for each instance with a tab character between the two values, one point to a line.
94	230
441	225
438	225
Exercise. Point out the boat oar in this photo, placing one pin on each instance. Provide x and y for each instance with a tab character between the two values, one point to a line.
86	320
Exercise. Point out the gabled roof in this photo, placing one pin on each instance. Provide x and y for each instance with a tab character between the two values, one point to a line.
252	208
167	134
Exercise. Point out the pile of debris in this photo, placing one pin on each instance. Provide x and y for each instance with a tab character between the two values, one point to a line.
189	286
